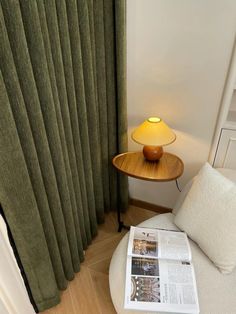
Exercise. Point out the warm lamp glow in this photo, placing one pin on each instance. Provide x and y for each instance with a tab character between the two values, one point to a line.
153	134
154	119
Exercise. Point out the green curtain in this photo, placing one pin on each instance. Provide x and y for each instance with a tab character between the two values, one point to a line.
62	119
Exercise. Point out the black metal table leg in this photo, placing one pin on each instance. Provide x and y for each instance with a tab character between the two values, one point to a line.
121	225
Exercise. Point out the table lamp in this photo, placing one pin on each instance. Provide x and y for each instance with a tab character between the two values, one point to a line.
153	134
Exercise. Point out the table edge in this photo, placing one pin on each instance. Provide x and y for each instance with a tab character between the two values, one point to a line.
147	178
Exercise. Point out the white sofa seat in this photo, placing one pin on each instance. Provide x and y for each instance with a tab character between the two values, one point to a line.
216	292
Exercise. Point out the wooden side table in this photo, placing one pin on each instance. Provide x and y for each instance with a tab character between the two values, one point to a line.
168	168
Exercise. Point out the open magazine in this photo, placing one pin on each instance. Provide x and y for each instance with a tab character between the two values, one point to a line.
159	273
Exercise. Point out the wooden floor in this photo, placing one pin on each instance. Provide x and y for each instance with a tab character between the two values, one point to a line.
89	292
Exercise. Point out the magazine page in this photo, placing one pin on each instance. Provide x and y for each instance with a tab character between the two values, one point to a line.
143	242
159	274
160	285
157	243
174	245
177	282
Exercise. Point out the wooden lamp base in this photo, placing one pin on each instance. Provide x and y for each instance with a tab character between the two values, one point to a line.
153	153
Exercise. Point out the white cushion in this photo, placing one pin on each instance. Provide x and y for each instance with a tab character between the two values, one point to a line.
216	292
208	216
182	196
228	173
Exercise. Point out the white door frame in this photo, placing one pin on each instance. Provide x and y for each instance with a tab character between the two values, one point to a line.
13	295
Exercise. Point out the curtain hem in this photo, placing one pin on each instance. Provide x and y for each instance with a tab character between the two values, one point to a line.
45	305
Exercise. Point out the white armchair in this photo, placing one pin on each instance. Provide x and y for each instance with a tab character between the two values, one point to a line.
216	291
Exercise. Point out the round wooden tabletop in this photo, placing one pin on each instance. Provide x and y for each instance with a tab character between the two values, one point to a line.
133	164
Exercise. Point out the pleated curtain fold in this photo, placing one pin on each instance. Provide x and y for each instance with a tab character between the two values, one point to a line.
62	119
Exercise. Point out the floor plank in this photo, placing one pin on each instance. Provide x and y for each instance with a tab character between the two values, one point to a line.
84	296
66	305
101	285
89	292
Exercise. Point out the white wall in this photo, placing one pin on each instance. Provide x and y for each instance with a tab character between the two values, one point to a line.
178	53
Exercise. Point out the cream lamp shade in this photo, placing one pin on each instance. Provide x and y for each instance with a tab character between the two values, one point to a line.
153	134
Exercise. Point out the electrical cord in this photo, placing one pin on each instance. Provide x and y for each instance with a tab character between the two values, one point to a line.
177	184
